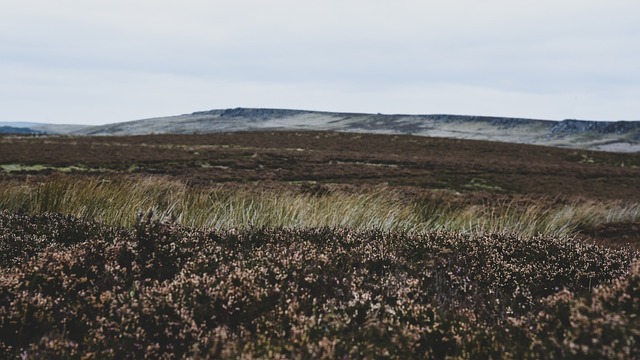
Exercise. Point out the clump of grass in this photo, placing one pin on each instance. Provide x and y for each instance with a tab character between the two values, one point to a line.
118	201
529	219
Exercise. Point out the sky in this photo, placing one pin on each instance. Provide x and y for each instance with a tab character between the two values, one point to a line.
97	62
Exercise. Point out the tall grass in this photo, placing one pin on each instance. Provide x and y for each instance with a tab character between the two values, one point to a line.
118	202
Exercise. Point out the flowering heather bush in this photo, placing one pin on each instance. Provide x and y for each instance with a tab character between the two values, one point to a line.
72	288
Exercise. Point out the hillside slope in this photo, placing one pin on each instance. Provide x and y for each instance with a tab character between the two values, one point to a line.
620	136
16	130
18	127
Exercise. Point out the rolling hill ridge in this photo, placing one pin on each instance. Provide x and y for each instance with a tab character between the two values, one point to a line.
617	136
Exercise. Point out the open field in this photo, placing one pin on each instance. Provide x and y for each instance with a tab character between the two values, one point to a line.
316	244
455	176
281	157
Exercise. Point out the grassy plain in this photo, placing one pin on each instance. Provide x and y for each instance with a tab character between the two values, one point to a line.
316	244
119	200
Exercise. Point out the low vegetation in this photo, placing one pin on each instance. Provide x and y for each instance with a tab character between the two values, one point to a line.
76	288
338	158
316	245
118	201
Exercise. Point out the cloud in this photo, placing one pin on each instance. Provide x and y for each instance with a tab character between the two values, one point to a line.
489	57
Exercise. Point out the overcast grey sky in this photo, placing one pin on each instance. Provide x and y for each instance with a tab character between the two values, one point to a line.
94	62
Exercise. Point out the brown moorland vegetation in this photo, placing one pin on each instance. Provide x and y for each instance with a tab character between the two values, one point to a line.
72	289
427	163
316	245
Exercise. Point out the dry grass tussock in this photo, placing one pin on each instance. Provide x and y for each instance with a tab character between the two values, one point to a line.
118	201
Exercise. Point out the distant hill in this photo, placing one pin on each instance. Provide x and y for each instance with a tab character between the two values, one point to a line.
18	130
619	136
17	127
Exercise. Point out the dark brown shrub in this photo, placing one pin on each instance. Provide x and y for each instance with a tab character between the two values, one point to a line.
163	290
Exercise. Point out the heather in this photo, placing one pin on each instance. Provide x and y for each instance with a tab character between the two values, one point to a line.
74	288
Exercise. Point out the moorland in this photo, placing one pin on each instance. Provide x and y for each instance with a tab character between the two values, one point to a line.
316	244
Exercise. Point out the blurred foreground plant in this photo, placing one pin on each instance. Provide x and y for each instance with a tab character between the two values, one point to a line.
158	289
